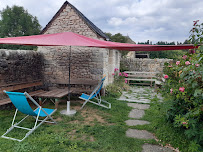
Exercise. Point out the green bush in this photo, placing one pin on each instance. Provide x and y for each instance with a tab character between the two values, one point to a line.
183	91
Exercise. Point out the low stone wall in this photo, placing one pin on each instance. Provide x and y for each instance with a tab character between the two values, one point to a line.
148	65
17	66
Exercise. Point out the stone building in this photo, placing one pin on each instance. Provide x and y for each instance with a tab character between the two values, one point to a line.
86	63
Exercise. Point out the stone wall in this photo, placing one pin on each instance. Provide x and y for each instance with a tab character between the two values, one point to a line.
148	65
86	63
20	66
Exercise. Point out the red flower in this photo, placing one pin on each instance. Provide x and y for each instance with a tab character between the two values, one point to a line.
166	77
196	64
184	57
178	62
171	90
181	89
187	62
116	69
126	81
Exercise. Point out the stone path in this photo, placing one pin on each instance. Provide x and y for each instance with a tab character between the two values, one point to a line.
139	99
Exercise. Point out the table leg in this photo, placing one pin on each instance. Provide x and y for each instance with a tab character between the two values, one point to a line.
40	101
56	103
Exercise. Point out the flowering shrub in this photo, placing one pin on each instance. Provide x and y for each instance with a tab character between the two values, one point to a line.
119	77
183	90
119	84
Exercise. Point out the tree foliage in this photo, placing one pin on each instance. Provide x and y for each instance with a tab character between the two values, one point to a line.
119	38
16	21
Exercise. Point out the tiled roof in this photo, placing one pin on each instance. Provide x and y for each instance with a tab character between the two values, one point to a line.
86	20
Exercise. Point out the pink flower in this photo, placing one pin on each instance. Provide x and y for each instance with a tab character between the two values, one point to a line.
196	64
169	66
184	57
116	69
195	22
126	81
166	77
171	90
125	74
113	73
184	123
187	63
120	74
181	89
178	62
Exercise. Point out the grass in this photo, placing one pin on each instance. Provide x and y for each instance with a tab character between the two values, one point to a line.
92	129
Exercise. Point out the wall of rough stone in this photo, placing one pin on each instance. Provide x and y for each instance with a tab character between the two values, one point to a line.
147	65
86	63
19	66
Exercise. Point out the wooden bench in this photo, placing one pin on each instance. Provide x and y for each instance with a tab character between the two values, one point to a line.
19	86
142	77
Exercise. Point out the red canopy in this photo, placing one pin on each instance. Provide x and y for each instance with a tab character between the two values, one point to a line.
73	39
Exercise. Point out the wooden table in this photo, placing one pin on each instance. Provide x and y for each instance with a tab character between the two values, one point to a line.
53	95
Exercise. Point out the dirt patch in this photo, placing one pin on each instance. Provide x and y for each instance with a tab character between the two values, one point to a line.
92	115
58	119
75	135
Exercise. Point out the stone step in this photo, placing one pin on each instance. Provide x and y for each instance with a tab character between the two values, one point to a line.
155	148
136	113
139	134
136	122
139	106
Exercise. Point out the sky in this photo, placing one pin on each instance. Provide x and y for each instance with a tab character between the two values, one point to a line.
141	20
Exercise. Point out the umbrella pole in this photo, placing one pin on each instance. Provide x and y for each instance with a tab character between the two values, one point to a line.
68	112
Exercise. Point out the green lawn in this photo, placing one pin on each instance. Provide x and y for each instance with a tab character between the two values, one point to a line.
92	129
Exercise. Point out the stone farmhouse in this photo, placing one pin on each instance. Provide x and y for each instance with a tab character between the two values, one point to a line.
87	64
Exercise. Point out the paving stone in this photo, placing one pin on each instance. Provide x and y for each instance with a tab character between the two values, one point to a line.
139	106
136	113
140	134
138	100
155	148
136	122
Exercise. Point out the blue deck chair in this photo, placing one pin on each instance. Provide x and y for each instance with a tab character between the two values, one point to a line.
20	102
96	95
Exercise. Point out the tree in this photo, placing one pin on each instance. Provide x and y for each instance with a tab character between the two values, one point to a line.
121	39
16	21
117	37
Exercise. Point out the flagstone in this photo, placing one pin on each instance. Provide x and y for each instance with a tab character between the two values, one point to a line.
140	134
136	122
136	113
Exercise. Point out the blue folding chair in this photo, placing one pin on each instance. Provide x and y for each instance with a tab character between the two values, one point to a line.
96	95
20	102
